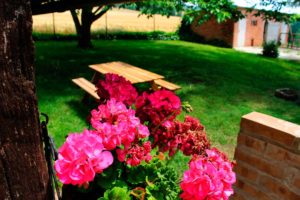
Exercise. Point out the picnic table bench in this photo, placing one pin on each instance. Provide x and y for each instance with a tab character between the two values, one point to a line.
131	73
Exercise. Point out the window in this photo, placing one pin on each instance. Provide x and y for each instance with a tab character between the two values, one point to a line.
254	22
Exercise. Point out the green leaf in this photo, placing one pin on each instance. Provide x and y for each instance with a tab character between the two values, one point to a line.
116	193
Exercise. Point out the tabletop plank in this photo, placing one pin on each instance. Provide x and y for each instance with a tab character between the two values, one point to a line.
140	71
113	68
130	72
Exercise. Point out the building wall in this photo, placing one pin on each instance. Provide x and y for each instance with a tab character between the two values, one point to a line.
277	31
254	30
284	37
267	159
212	30
229	31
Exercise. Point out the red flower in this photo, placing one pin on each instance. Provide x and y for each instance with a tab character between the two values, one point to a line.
117	87
135	154
189	137
158	107
192	139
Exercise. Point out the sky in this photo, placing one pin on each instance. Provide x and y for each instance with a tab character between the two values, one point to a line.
250	3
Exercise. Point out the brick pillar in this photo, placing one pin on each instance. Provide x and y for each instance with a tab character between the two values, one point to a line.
268	159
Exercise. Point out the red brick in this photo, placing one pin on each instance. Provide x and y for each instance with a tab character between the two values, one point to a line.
255	33
212	30
281	154
272	129
251	142
246	172
276	187
258	163
251	190
296	182
237	196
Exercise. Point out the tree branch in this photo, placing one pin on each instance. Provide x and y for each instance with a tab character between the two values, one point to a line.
99	8
76	20
47	6
102	12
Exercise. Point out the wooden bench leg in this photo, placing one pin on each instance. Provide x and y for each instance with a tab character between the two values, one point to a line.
96	77
154	86
87	98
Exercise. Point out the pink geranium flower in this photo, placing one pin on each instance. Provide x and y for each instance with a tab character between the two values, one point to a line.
81	157
117	125
210	177
117	87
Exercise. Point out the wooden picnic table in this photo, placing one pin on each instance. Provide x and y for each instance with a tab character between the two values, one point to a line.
131	73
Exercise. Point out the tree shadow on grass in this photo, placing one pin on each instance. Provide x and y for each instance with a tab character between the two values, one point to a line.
221	83
82	110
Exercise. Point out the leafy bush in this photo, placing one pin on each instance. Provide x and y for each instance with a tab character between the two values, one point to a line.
185	32
270	49
116	193
155	35
50	36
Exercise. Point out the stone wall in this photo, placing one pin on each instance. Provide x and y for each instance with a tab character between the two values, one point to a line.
268	159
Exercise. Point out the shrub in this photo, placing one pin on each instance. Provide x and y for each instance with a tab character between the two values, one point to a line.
185	32
155	35
270	49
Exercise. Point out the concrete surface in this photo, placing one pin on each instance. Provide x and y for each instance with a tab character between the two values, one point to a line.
284	53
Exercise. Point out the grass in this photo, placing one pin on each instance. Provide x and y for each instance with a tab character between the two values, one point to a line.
221	84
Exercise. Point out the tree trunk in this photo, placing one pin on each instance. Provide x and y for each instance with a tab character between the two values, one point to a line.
83	29
23	170
84	37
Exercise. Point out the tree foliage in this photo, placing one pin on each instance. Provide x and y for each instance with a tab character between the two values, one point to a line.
202	10
274	11
220	9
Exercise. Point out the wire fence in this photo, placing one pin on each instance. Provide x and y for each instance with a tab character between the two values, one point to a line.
115	20
289	40
294	40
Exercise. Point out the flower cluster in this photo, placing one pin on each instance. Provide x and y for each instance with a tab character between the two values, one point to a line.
81	157
119	130
209	177
117	125
117	87
192	138
135	154
189	137
158	107
165	137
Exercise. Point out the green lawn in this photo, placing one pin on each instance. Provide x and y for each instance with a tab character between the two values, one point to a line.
221	84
